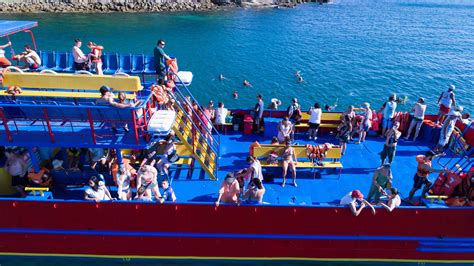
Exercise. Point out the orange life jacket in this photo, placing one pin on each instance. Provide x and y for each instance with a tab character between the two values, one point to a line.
97	57
421	159
42	178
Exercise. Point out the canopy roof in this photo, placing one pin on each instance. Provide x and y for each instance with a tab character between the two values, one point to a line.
8	27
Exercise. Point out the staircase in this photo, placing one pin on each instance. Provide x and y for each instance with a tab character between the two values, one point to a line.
201	141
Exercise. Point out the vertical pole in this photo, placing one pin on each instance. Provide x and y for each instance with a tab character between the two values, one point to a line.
5	124
135	130
51	135
34	159
91	123
119	155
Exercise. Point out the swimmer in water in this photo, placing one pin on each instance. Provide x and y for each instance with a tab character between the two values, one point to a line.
247	83
221	77
235	95
299	77
328	107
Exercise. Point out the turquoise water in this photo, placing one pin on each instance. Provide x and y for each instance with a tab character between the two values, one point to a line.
354	50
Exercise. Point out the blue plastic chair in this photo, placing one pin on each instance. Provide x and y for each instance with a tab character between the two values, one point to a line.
138	64
149	65
125	63
47	60
69	63
61	62
104	61
112	64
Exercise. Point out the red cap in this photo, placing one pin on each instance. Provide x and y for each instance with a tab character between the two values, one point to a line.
357	194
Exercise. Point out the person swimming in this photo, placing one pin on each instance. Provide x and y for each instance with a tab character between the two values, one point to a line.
247	83
235	95
221	77
328	107
298	75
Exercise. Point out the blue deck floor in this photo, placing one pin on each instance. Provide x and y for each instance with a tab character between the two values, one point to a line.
359	163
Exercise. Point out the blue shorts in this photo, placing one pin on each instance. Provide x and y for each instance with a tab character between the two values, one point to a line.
387	122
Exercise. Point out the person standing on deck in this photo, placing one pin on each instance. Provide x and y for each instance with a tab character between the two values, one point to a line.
448	128
80	60
445	100
422	171
4	62
388	113
382	179
258	113
229	191
418	117
294	113
160	63
345	128
390	145
289	160
95	57
314	121
365	124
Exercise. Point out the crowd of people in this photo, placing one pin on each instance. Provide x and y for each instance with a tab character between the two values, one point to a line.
233	189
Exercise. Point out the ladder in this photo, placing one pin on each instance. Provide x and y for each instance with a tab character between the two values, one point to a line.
196	132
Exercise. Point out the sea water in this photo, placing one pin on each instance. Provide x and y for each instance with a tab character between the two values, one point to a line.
351	51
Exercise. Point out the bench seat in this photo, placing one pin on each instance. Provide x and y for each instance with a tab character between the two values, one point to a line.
306	164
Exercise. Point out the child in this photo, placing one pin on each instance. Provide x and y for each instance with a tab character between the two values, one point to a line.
168	192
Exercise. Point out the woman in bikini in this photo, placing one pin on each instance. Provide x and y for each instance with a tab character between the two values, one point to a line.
289	160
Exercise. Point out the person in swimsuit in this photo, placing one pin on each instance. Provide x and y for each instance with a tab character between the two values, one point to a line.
285	127
229	191
366	123
124	178
390	146
289	160
254	193
382	179
147	178
393	200
448	128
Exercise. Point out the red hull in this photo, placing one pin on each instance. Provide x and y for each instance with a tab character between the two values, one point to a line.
264	232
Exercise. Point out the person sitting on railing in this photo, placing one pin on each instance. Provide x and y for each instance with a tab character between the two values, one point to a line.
147	180
351	199
393	200
30	57
80	60
4	62
95	57
229	190
97	191
254	193
124	177
168	192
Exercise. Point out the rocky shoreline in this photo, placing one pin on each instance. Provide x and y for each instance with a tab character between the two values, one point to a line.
107	6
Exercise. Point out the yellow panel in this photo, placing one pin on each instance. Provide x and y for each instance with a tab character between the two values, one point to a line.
62	94
334	153
331	116
70	81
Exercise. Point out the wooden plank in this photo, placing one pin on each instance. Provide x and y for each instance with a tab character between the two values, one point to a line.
300	151
71	81
62	94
